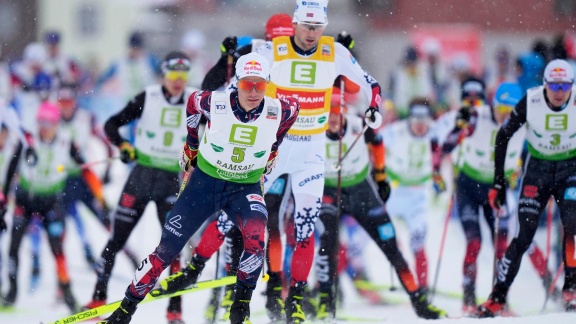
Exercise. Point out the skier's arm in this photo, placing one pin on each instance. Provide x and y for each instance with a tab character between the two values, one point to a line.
97	132
347	66
12	167
376	147
459	133
290	109
132	111
76	155
198	104
511	125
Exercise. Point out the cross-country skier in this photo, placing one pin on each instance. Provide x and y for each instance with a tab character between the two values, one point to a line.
549	112
239	146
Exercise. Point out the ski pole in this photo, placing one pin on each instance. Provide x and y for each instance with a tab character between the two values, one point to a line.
441	252
338	165
496	230
552	286
62	168
549	215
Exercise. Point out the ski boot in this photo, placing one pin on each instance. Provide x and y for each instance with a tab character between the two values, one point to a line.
227	302
569	300
68	297
274	302
184	278
123	314
493	306
325	310
99	296
240	308
469	305
174	312
293	304
424	309
10	297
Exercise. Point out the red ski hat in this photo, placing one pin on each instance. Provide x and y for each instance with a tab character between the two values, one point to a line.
48	112
279	25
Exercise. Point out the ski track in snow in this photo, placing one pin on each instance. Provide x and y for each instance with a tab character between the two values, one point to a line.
526	296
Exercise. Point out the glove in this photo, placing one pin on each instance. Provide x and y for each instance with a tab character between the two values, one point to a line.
438	182
382	182
188	158
497	196
271	164
373	118
31	156
345	39
463	117
127	152
229	45
106	177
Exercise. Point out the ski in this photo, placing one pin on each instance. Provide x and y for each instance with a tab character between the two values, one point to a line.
153	295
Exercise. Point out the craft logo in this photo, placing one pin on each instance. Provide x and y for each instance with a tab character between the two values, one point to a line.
220	107
282	49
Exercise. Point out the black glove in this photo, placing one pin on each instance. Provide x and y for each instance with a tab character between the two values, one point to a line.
3	226
2	212
106	177
31	156
497	196
382	182
463	117
229	45
345	39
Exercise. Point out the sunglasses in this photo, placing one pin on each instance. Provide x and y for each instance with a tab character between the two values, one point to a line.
559	86
504	109
176	75
312	27
472	103
249	85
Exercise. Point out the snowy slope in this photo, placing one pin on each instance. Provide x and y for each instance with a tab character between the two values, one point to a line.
526	296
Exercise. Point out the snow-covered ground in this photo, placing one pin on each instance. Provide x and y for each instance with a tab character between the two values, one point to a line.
526	296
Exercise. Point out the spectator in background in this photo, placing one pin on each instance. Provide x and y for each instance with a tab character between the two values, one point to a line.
126	77
499	72
61	67
530	66
437	70
408	81
193	43
5	80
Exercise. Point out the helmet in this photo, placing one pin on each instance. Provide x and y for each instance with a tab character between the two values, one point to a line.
473	86
35	53
176	61
507	94
279	25
48	112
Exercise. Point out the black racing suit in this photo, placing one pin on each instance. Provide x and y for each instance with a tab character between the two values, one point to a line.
542	179
144	184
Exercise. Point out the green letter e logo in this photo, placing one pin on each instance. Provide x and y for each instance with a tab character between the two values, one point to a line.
242	134
303	72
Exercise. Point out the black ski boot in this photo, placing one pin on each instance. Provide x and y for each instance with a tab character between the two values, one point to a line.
10	297
69	299
184	278
424	309
240	309
469	302
293	305
274	303
174	312
123	314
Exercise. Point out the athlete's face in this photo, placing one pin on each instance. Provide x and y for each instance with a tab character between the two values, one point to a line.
67	107
334	122
47	130
251	90
419	126
306	36
558	93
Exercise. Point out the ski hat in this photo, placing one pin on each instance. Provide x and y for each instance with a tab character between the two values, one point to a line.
176	61
279	25
558	71
52	38
313	12
252	64
473	86
48	112
419	110
35	53
507	94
